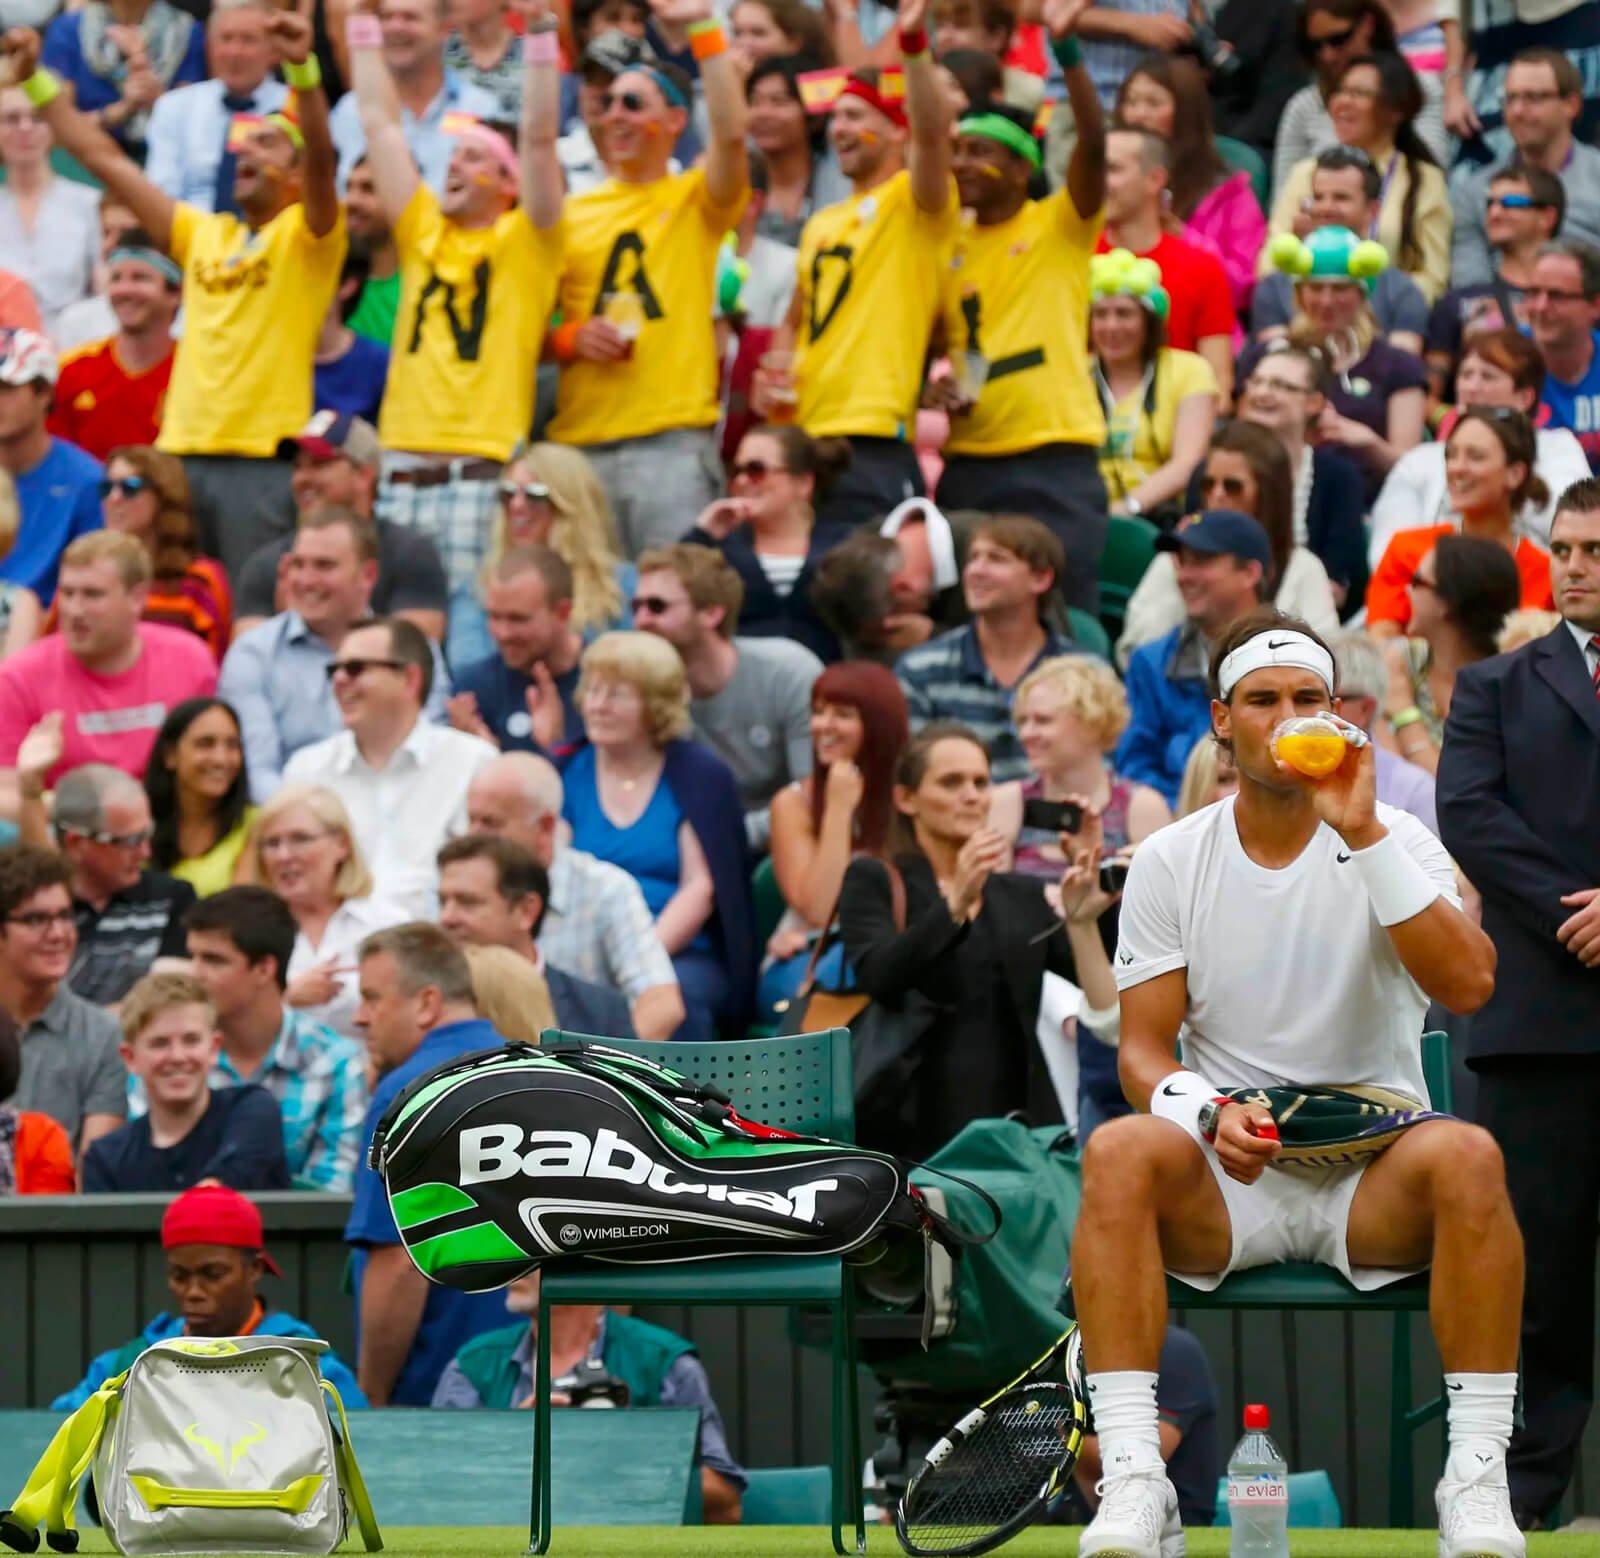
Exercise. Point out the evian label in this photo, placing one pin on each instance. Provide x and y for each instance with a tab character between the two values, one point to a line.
1263	1488
494	1152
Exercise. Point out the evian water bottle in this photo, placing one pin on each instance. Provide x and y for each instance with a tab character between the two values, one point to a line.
1258	1493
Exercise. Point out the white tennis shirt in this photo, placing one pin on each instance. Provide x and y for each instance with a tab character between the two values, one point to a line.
1291	978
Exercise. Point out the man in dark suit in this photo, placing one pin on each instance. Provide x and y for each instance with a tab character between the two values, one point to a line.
1519	808
492	893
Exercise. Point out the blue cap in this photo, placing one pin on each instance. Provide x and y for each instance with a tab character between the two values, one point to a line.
1219	532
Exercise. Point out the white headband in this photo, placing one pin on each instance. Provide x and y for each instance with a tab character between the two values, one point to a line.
1281	646
941	538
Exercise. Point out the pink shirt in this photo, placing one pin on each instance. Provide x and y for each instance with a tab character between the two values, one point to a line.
1228	221
109	719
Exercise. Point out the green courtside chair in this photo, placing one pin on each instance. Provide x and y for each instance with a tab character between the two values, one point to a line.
804	1083
1296	1285
768	899
1088	632
1244	158
1130	544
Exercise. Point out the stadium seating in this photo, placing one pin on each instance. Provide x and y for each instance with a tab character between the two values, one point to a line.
1244	158
1295	1285
787	1496
1088	632
804	1083
1130	544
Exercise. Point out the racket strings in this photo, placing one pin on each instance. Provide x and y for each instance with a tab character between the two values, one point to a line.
996	1471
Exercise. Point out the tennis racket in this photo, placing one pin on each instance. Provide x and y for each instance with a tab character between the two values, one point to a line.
1002	1466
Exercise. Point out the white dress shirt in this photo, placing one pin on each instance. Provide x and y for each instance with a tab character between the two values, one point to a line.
1591	655
186	133
353	921
404	811
427	139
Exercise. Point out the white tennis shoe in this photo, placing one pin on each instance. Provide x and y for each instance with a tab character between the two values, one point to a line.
1475	1519
1137	1518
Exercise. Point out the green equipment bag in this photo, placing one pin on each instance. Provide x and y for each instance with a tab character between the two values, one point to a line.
215	1445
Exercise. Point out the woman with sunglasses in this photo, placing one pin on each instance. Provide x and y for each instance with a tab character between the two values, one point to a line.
199	795
1498	370
21	615
1330	34
802	174
1460	594
145	494
1373	107
769	532
1160	404
1247	469
1489	475
1284	393
1167	93
302	845
550	496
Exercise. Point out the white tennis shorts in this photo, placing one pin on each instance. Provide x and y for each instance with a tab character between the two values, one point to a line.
1292	1215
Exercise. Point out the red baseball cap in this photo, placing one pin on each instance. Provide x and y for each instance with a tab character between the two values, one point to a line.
214	1214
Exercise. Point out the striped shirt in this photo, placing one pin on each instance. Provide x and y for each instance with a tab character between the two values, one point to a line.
947	678
598	926
1110	61
319	1080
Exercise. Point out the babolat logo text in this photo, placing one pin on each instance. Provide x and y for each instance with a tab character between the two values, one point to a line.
491	1152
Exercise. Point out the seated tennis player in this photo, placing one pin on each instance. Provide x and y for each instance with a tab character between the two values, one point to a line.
1291	937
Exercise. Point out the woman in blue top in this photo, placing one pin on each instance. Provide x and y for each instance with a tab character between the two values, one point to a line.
665	809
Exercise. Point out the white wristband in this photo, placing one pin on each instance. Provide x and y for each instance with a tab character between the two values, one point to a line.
1397	885
1179	1098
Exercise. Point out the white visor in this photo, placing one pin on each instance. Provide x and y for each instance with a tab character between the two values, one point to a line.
941	538
1281	646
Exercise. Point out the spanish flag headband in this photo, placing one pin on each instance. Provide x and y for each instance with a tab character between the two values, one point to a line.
888	96
283	120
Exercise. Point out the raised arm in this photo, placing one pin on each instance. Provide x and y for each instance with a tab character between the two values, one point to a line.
927	111
543	188
292	33
393	171
1086	172
84	139
727	163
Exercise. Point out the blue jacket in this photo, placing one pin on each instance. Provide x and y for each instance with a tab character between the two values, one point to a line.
165	1328
1170	713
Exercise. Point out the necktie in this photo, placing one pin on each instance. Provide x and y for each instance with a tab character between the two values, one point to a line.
1594	644
232	104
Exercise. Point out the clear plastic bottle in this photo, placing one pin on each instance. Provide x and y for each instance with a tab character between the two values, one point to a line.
1258	1493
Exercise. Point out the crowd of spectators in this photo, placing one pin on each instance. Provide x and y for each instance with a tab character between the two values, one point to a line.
553	479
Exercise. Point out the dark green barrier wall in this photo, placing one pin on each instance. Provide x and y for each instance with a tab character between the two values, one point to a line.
81	1274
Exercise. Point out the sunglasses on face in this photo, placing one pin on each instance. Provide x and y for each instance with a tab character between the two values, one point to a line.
630	102
122	486
756	470
1515	202
529	492
1332	40
358	668
656	605
117	840
1233	486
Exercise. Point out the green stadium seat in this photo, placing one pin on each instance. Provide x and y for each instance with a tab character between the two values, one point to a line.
1244	158
802	1083
1088	632
1312	1502
787	1496
769	904
1130	544
1296	1285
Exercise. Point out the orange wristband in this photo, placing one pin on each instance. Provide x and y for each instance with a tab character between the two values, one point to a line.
707	40
564	341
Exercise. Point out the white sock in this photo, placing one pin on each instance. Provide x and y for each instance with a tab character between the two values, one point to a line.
1123	1405
1479	1409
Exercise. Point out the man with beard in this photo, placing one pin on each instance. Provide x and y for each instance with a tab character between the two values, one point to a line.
255	286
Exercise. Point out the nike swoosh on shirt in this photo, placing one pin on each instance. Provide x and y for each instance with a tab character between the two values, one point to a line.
1341	858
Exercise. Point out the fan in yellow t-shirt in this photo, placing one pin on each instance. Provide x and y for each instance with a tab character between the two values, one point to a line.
255	286
870	272
478	276
638	391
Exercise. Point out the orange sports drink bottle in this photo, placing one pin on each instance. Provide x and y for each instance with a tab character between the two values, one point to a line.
1314	747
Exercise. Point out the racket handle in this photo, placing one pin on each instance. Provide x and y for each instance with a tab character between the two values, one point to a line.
1268	1131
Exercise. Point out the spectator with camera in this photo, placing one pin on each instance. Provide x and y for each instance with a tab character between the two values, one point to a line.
189	1132
598	1357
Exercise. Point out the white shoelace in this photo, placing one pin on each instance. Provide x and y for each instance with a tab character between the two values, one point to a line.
1481	1501
1134	1498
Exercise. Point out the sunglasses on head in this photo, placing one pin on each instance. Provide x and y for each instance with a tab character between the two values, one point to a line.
756	470
122	486
529	491
631	102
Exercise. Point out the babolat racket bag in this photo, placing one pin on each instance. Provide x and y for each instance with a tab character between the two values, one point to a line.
503	1160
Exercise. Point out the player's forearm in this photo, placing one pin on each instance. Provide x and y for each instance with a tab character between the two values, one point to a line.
1452	959
393	1296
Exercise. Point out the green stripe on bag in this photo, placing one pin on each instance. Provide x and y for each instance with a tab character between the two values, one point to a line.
480	1243
423	1203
